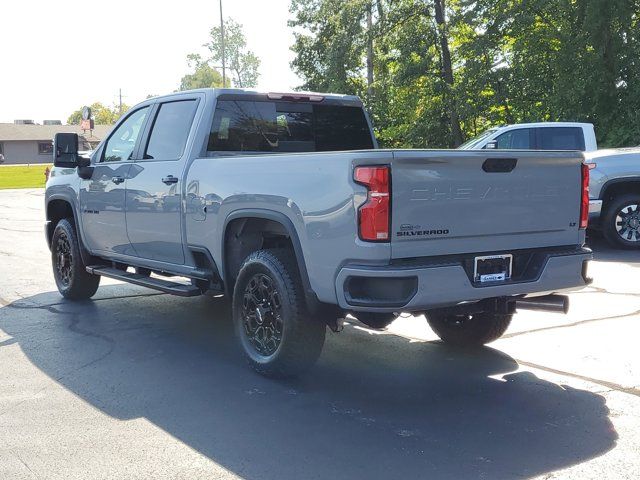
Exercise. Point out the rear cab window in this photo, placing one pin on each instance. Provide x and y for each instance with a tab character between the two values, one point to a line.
560	138
281	126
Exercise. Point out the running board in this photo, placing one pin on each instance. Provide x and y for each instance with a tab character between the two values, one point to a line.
165	286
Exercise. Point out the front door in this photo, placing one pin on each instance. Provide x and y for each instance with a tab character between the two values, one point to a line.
154	189
102	197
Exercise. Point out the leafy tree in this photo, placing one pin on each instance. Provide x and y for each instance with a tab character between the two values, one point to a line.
405	46
433	72
204	76
242	63
101	114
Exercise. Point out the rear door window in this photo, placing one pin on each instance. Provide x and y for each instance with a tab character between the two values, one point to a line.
560	138
170	130
519	139
263	126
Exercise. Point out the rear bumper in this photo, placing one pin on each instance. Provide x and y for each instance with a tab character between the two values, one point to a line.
421	285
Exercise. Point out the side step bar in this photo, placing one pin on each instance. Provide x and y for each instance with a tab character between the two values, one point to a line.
165	286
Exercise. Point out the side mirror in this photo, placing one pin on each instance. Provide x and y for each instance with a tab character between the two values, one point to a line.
491	145
65	150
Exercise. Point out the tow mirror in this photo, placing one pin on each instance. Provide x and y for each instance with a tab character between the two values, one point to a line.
65	150
492	145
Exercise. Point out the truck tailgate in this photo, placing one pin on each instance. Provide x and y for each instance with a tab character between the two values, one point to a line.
453	202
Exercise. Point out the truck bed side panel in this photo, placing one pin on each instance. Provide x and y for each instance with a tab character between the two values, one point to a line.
314	190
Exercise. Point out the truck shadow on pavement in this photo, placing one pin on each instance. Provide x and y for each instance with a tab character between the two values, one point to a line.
375	406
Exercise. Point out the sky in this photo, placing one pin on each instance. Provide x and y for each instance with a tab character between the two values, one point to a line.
56	56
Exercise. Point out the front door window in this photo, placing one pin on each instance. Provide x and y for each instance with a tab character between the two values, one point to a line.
122	142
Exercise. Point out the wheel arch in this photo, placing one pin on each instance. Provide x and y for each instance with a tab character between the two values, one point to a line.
619	186
276	224
57	208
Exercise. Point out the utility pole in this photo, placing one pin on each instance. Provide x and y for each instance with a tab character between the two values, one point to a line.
369	57
224	70
120	101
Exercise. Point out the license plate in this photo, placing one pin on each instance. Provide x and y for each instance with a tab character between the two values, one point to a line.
492	268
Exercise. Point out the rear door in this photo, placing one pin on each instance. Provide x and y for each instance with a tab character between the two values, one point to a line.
154	189
450	202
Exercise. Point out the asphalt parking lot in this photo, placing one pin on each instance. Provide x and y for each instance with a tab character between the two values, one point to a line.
136	384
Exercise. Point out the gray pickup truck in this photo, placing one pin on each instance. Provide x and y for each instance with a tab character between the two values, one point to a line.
284	203
615	195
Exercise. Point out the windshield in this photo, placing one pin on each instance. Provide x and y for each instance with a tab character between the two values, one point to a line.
475	141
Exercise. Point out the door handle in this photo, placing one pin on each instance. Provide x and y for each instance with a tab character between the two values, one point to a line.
170	180
117	180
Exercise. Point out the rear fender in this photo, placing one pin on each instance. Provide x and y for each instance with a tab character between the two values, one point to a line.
310	296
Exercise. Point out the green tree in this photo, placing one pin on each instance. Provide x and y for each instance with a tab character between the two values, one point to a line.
433	72
404	47
102	115
204	76
242	63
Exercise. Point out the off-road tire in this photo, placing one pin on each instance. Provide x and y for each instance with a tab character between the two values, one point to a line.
72	279
609	227
301	336
468	330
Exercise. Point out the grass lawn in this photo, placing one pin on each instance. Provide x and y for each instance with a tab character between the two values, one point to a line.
22	176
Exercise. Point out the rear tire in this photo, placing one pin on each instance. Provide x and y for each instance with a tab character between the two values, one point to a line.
277	335
621	219
72	279
468	330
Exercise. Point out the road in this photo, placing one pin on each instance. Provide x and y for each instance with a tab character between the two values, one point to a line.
136	384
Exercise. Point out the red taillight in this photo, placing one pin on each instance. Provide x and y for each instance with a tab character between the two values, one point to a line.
373	215
584	204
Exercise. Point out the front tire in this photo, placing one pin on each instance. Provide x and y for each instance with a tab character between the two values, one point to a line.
277	335
72	279
621	221
468	330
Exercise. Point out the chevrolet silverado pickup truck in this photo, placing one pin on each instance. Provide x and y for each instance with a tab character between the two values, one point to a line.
614	191
284	203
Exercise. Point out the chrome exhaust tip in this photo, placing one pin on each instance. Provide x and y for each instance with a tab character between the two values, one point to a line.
546	303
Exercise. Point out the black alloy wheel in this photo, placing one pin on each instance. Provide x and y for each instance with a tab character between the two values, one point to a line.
69	271
262	314
64	260
278	336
